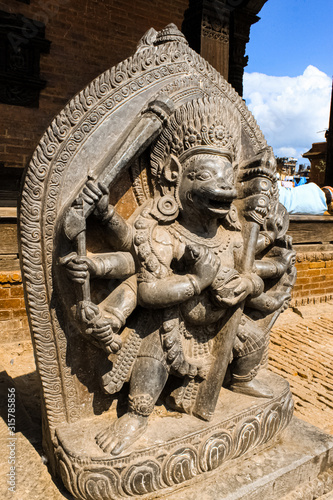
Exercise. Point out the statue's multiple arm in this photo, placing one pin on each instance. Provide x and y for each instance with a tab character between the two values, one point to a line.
115	265
177	288
118	231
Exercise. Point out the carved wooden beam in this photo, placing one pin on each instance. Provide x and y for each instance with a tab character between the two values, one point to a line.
219	30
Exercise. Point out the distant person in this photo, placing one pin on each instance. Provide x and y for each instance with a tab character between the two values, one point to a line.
307	199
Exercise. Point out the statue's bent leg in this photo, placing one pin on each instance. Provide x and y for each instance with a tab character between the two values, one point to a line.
148	378
248	352
244	371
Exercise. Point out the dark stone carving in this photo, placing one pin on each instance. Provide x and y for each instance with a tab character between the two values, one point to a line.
155	260
22	40
206	26
215	30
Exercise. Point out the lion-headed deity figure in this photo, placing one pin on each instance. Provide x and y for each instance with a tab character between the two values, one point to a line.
155	260
204	268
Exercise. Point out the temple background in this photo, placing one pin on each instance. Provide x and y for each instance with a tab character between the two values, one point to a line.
78	40
52	49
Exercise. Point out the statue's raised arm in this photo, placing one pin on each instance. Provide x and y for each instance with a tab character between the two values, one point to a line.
94	199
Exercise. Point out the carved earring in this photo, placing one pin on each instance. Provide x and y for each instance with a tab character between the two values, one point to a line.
168	206
232	220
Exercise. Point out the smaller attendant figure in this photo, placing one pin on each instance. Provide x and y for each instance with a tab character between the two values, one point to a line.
274	262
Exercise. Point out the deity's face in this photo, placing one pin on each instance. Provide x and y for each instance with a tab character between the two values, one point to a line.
207	186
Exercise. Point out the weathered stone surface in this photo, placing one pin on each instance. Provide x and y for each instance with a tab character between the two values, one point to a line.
17	360
186	447
169	292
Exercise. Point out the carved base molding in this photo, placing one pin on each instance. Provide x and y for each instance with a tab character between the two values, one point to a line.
298	467
167	456
315	299
314	256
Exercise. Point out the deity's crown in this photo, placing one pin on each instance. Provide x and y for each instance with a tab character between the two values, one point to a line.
209	125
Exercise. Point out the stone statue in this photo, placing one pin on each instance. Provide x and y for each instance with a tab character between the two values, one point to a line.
174	299
186	253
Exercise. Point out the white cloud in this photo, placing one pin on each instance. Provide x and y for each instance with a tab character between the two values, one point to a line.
290	110
286	152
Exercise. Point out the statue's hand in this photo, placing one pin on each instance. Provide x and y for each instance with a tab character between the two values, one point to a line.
272	224
230	288
104	334
285	262
98	195
290	259
238	294
205	264
102	331
78	267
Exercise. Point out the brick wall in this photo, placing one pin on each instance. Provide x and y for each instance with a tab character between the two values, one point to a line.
13	318
87	37
314	282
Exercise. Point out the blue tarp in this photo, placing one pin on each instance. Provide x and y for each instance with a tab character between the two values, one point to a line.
306	199
301	182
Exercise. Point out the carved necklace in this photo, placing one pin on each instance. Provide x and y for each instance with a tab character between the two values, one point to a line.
217	243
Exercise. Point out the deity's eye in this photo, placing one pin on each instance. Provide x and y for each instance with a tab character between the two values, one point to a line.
262	202
204	176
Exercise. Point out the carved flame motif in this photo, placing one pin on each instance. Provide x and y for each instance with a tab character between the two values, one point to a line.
247	436
215	451
98	484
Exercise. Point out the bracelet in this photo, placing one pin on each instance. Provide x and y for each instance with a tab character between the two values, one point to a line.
194	282
257	284
275	269
101	271
269	238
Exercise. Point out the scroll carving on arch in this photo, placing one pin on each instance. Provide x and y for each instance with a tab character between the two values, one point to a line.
155	261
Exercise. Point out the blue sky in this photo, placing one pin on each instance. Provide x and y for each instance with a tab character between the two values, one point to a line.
287	84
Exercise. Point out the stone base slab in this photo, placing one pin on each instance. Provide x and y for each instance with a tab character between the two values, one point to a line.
175	449
298	467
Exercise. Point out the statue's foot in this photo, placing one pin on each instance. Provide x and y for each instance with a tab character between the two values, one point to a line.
122	433
253	388
278	299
